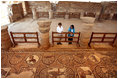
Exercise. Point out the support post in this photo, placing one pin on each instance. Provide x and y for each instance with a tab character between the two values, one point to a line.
44	28
51	14
34	13
5	38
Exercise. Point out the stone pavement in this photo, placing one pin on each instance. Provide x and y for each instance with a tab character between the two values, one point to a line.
88	63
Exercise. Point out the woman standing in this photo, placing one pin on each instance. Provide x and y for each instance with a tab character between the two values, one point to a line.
71	31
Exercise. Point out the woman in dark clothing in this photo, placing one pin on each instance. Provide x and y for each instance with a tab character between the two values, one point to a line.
71	31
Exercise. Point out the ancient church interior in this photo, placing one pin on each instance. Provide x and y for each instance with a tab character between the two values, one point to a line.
29	39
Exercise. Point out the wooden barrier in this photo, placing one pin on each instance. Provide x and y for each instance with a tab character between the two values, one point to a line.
65	37
102	39
24	37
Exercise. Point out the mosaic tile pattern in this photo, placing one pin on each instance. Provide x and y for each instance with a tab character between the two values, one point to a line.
78	64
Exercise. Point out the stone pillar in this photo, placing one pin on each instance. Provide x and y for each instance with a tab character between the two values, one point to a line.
5	38
82	14
34	13
97	16
10	14
51	14
115	43
44	28
111	16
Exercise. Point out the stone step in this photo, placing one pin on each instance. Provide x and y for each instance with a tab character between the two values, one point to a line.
65	46
56	48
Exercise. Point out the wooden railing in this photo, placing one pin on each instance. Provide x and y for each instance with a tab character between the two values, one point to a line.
17	35
94	38
65	37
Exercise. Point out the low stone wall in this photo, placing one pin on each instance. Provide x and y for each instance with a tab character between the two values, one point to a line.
59	14
86	14
74	15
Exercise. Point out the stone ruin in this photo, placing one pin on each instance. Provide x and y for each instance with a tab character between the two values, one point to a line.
16	12
63	9
73	9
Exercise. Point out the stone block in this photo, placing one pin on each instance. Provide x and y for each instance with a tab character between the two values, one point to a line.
5	38
44	28
88	19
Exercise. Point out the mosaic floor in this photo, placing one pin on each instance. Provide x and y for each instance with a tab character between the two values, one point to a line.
79	64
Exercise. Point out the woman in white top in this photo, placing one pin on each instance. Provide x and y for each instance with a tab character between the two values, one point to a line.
59	30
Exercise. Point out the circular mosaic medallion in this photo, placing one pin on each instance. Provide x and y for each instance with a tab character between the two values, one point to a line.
56	72
16	58
48	58
65	59
105	72
79	58
106	61
94	58
32	59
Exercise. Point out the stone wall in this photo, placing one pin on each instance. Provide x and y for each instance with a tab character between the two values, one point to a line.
26	7
111	8
41	6
5	38
74	9
17	12
71	6
82	8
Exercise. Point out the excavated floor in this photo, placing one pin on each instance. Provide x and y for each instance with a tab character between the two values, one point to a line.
60	62
76	63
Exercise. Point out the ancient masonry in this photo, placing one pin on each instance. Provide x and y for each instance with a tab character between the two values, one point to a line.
5	39
34	13
81	64
64	9
44	28
71	9
58	63
16	12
